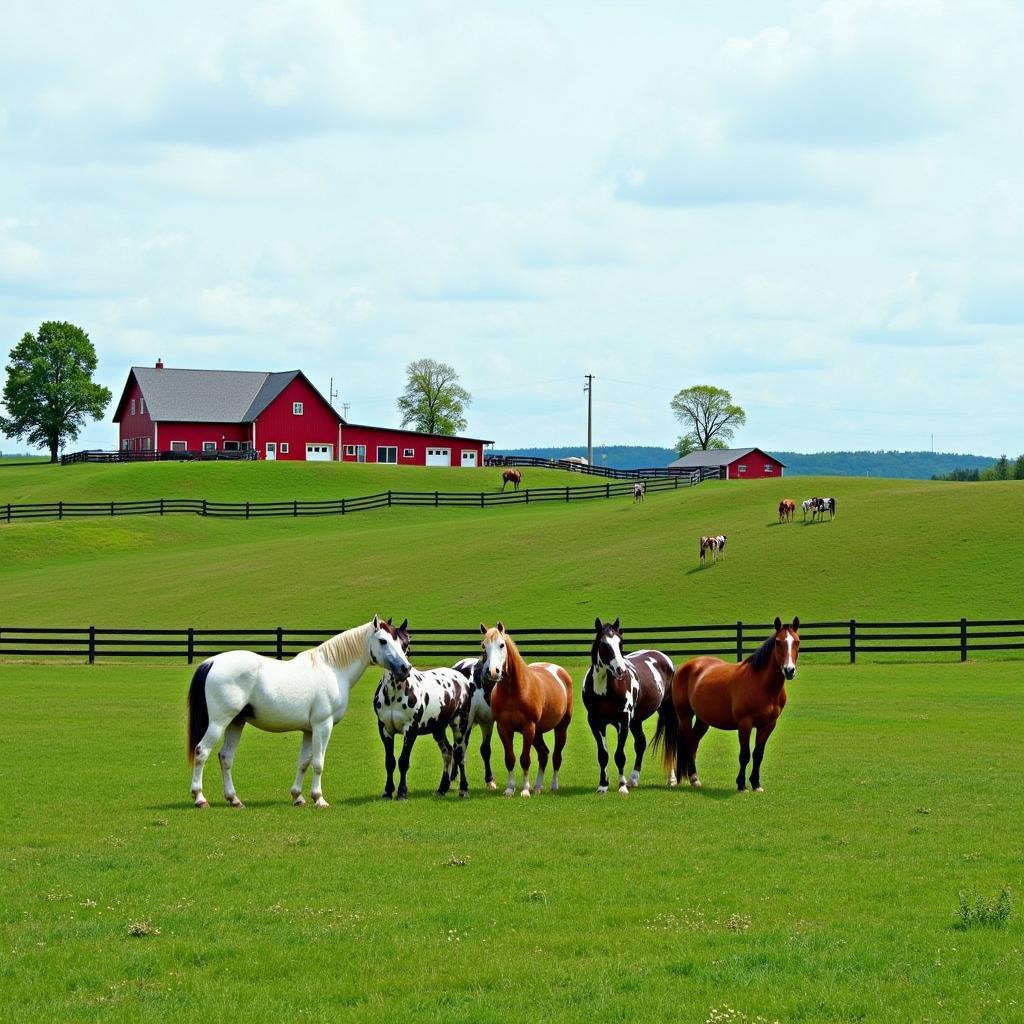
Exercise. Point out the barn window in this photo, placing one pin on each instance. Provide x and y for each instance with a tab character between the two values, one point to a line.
297	408
408	453
124	445
132	412
387	453
209	446
231	446
350	449
741	468
768	468
147	444
142	406
179	446
284	447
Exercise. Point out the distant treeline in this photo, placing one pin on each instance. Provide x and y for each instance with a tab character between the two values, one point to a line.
908	465
1001	469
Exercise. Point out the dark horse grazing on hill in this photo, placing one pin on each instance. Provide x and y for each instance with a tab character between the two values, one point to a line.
513	477
710	692
786	509
623	692
531	699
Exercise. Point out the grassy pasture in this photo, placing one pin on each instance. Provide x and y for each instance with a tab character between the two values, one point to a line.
828	898
897	549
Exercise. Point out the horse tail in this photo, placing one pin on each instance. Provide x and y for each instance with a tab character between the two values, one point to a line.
833	508
667	731
198	712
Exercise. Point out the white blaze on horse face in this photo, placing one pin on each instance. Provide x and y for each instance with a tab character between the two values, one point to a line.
494	657
617	664
790	665
386	650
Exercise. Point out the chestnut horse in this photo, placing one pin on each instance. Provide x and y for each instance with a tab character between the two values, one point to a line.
787	508
513	477
531	699
710	692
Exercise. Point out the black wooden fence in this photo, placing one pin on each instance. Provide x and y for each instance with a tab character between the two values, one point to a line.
516	461
334	506
848	637
243	455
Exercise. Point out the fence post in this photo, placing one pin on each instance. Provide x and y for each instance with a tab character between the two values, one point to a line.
60	509
161	506
963	639
389	499
8	511
247	510
853	641
111	508
607	490
280	643
739	641
92	645
437	499
342	506
527	496
190	649
204	506
566	492
481	499
295	508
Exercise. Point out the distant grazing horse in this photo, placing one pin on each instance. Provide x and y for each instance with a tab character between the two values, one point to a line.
639	491
479	712
513	477
708	692
787	508
422	704
826	505
622	692
716	545
530	699
308	694
810	505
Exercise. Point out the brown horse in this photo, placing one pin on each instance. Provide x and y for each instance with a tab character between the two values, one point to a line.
710	692
531	699
787	509
513	477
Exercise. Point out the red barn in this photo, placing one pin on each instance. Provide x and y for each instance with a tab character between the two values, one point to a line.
279	415
733	463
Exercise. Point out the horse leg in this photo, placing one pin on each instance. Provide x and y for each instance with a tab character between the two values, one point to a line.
201	755
561	731
696	735
529	732
542	762
505	735
763	733
321	737
744	731
485	754
232	734
305	756
388	740
448	762
622	732
597	727
639	749
403	765
461	741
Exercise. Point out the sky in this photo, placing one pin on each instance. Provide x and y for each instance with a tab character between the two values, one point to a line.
818	206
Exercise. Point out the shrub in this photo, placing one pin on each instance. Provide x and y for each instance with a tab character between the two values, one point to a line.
975	911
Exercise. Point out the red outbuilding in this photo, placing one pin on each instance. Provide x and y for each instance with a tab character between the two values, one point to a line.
733	463
277	415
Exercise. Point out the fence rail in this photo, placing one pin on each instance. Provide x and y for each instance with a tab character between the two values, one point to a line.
848	637
652	473
334	506
243	455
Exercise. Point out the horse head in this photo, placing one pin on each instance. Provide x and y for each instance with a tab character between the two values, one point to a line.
387	647
606	652
787	646
495	651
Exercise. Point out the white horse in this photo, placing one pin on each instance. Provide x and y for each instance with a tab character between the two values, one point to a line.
639	491
308	694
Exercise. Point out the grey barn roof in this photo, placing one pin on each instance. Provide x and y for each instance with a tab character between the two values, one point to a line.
208	396
715	457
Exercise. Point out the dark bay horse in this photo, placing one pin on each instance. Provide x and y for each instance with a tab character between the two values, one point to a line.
529	699
787	507
708	692
513	477
622	691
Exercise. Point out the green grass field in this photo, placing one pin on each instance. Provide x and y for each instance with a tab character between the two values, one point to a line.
831	897
828	898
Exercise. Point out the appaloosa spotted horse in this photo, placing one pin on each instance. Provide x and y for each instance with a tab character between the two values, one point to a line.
423	704
479	712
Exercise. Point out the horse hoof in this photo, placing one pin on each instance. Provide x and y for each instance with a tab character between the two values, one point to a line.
203	805
299	801
525	793
624	789
633	783
759	789
321	803
463	794
602	790
402	796
510	792
537	790
742	789
695	783
235	802
672	781
386	796
492	784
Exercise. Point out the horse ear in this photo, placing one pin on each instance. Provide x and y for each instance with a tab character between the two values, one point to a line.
796	623
390	623
500	626
404	626
615	625
483	628
778	624
376	622
598	624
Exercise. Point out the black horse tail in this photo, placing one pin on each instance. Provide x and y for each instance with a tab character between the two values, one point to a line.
667	731
198	712
833	508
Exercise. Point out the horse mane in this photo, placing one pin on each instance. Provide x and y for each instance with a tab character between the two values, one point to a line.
514	658
346	647
763	655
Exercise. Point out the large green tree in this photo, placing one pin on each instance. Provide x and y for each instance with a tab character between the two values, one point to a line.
433	401
709	416
49	390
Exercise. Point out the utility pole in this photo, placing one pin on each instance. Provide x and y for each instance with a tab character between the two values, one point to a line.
331	393
589	390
